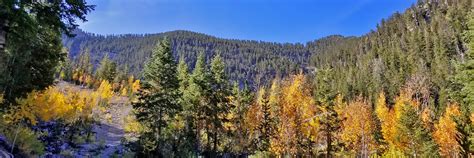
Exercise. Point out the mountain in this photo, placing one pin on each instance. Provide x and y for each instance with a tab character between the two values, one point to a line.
416	49
419	47
248	61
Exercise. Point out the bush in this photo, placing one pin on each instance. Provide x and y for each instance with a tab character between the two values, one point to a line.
26	140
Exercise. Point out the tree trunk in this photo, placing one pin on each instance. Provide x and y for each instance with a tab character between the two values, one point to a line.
3	41
328	142
160	116
3	34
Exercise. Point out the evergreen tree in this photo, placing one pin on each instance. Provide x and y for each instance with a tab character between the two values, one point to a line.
107	69
266	126
83	67
183	74
31	42
415	140
463	90
193	101
188	113
122	75
158	99
328	119
218	106
65	69
240	103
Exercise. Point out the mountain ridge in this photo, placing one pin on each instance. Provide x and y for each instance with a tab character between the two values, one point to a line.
286	58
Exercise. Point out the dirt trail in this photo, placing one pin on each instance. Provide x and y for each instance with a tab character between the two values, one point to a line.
109	129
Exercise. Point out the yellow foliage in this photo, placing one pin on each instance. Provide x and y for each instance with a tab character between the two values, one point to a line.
358	127
274	98
105	90
254	114
75	75
53	104
124	91
89	80
446	134
387	119
230	126
339	104
131	125
1	98
62	75
135	86
472	118
130	80
81	79
296	117
426	117
104	93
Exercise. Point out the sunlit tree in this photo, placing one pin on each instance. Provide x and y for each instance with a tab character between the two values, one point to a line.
358	127
446	134
297	126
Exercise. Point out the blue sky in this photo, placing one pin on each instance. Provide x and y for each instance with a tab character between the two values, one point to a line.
266	20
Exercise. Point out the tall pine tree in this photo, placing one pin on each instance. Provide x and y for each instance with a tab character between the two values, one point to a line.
107	70
158	99
328	119
463	90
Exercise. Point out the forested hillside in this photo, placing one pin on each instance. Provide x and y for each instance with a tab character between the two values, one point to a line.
245	60
405	89
420	46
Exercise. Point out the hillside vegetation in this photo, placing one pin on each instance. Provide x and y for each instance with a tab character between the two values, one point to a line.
405	89
251	61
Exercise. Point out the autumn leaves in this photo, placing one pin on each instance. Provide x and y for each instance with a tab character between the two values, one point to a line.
56	103
290	120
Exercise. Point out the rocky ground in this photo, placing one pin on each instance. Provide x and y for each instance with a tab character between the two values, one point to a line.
109	129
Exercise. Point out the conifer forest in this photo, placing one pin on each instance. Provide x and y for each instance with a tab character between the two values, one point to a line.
403	89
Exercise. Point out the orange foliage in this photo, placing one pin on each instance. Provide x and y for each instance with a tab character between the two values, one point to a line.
446	134
387	119
296	117
358	127
254	114
135	86
426	117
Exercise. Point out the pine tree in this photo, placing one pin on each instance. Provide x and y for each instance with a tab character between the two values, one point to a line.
183	75
260	123
463	90
107	69
83	67
266	126
187	115
122	75
31	42
158	99
240	101
218	106
328	117
194	102
414	139
65	69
